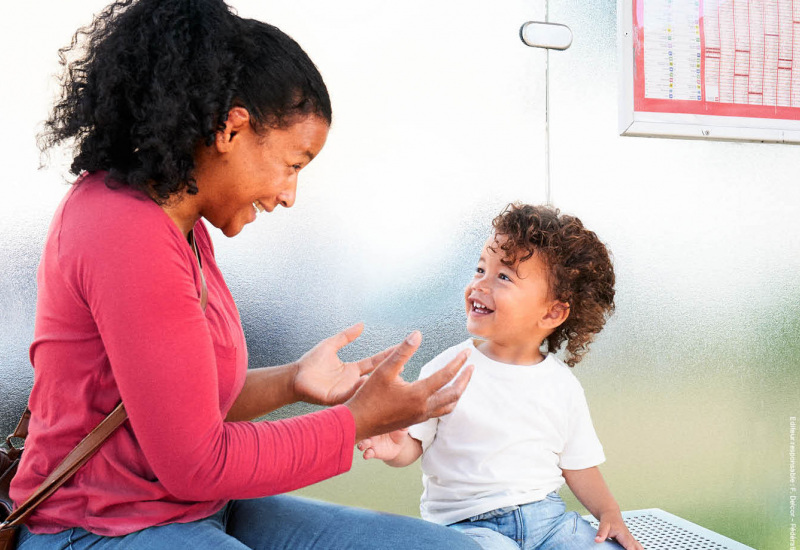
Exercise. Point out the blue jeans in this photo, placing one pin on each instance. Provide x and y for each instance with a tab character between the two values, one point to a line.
271	523
543	525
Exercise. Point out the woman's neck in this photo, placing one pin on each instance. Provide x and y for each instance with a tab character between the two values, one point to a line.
183	211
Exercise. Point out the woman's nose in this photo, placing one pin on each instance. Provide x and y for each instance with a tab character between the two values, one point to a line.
288	196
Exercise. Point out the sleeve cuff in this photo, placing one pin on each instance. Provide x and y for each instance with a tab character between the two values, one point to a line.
582	462
348	427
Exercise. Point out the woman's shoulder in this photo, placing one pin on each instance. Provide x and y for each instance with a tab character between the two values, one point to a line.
98	195
100	209
101	222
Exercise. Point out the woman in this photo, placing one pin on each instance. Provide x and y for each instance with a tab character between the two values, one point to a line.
179	111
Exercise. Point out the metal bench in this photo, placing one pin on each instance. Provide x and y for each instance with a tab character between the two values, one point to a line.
656	529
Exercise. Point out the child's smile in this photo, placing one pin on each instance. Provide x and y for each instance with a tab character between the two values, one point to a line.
509	306
479	308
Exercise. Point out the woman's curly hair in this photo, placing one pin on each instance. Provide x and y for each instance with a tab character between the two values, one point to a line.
149	80
578	264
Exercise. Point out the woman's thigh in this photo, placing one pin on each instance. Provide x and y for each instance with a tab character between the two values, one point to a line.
203	534
291	522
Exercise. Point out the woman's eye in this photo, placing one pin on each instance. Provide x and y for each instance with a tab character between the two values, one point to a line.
297	167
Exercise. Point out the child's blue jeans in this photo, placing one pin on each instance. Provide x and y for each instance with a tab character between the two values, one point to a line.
543	525
272	523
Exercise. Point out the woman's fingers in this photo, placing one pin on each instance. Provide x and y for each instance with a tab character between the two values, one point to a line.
349	334
369	364
445	400
360	382
386	402
393	364
443	376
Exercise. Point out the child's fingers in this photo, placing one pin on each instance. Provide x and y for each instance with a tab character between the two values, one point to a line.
366	445
626	540
369	453
602	532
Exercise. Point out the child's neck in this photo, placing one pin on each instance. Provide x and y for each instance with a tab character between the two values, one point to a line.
512	354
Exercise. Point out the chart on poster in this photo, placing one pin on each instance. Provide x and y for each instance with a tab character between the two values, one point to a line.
714	69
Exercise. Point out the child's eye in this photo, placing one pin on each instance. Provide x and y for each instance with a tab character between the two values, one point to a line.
504	277
297	167
480	270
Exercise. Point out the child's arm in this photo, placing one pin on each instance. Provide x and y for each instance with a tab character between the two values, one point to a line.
396	448
590	488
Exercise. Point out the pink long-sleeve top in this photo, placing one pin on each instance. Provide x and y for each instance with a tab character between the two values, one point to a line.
118	317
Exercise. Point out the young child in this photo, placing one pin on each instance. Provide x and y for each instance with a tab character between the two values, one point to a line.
492	467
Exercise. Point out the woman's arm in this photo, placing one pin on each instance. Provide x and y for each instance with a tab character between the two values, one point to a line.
265	390
591	490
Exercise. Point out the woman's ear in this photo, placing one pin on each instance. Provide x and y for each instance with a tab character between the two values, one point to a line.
556	315
238	119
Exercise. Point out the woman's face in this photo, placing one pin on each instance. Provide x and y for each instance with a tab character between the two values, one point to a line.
249	172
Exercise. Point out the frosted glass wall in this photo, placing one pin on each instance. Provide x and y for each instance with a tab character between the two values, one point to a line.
438	122
436	117
694	382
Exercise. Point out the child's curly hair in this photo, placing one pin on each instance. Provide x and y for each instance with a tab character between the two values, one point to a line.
579	268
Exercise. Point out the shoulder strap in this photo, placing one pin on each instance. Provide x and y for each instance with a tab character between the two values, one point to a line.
71	463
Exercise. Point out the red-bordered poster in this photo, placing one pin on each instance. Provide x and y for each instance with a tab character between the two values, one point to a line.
727	69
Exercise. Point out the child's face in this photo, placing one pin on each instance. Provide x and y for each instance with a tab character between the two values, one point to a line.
506	305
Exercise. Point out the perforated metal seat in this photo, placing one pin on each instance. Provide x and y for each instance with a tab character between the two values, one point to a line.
656	529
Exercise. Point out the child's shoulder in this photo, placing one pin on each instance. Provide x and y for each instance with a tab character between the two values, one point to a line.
562	373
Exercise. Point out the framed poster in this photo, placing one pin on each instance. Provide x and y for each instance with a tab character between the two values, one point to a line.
710	69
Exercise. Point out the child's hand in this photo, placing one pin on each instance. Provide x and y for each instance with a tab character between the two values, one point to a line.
612	526
384	447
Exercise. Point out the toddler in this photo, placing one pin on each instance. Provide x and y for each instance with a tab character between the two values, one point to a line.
492	467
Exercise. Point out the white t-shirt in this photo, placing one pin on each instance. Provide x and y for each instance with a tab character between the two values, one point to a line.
513	430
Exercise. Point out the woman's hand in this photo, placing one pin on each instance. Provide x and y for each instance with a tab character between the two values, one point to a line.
323	379
386	402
